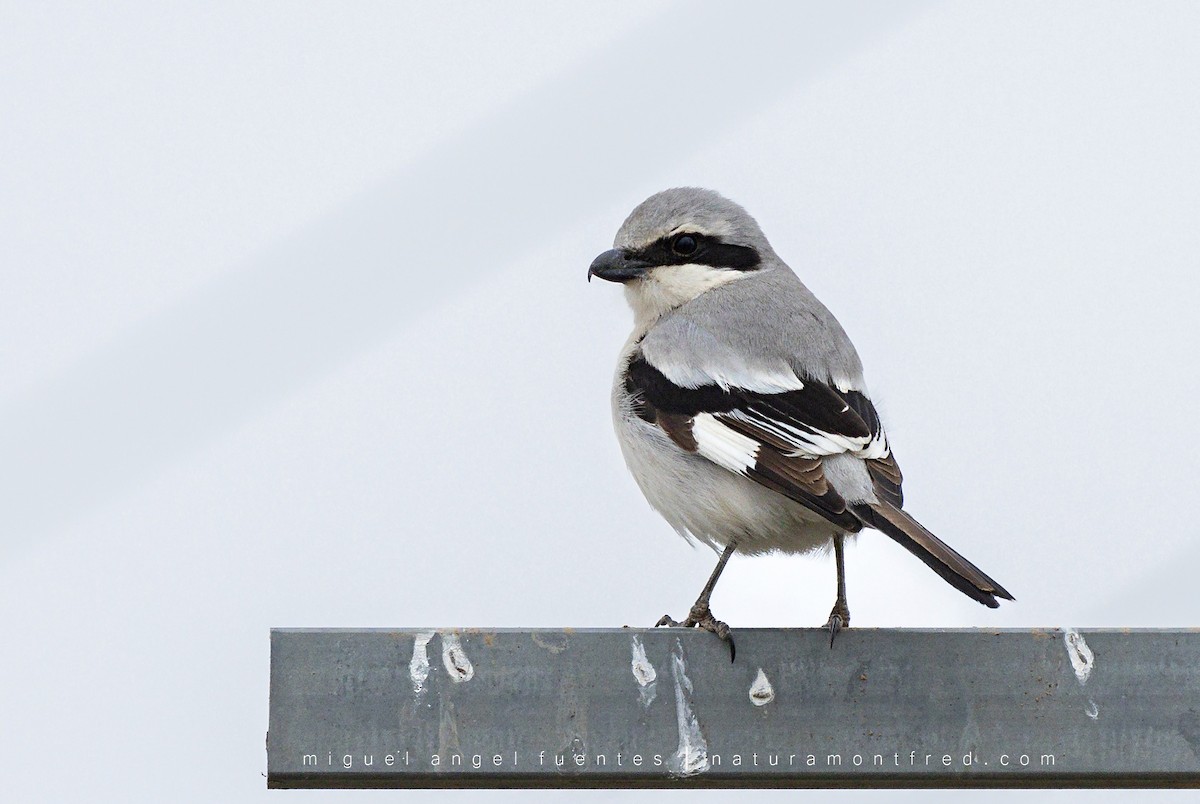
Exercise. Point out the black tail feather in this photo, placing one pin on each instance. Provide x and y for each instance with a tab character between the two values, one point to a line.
954	569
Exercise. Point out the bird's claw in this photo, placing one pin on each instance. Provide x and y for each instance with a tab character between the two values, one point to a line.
701	617
839	618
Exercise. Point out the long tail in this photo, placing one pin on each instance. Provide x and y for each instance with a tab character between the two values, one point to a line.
956	570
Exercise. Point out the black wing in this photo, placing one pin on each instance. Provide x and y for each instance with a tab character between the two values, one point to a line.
777	439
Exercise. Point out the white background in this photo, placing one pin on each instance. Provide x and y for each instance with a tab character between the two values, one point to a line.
294	331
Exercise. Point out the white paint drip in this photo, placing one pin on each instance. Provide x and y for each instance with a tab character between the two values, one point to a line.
455	659
1081	656
643	672
761	691
1083	661
418	666
692	755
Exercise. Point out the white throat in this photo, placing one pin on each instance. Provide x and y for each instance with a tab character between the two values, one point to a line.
667	287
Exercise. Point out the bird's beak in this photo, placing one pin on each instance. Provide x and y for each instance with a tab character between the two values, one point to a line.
618	265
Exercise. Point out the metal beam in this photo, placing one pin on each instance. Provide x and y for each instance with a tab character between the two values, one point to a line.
666	707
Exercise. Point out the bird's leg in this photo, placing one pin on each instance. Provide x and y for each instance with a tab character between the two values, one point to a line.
700	610
839	618
700	614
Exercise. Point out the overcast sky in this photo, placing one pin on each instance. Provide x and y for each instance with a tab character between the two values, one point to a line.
294	330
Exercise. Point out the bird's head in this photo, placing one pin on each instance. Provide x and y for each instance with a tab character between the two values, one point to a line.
678	244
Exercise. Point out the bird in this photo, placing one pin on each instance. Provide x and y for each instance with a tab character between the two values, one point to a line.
740	406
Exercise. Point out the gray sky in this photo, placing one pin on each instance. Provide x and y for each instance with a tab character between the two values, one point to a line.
295	331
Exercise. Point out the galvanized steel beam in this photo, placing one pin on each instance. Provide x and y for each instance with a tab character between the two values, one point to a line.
666	707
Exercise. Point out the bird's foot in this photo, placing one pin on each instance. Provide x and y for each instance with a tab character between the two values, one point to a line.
701	617
839	618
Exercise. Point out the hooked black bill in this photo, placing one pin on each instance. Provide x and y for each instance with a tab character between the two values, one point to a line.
618	265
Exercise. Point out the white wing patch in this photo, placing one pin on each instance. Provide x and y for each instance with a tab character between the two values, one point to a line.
876	448
737	452
723	445
815	444
718	435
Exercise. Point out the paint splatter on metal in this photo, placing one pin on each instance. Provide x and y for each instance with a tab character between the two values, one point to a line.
1092	710
761	691
643	672
455	659
418	666
691	757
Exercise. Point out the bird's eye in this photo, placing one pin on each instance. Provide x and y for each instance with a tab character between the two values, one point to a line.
684	244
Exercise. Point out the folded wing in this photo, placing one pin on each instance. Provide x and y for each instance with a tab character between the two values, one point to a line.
775	430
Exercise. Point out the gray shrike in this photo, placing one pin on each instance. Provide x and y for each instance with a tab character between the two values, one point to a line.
740	406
